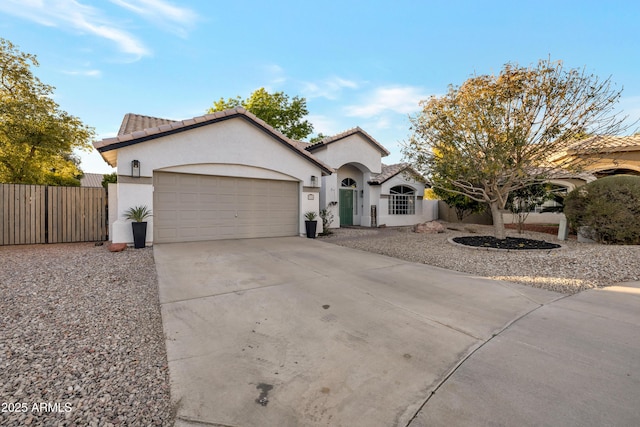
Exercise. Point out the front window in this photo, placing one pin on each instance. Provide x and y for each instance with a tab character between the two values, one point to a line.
348	183
402	200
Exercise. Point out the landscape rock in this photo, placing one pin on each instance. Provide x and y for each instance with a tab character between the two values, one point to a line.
117	247
431	227
83	335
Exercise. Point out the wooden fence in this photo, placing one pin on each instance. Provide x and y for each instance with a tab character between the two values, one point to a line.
32	214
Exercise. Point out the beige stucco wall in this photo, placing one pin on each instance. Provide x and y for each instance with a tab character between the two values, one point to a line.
619	160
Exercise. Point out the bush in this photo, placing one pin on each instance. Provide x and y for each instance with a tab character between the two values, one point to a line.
610	207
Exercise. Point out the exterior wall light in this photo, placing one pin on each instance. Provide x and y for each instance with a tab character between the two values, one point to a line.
314	181
135	168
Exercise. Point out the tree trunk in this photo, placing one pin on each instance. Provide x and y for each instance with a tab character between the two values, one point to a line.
498	222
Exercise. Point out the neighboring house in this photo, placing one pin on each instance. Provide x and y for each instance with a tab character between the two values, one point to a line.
91	180
603	156
231	175
615	155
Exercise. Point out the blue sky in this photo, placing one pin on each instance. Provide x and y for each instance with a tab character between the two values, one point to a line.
358	63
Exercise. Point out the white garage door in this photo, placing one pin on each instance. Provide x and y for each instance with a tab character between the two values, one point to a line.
203	207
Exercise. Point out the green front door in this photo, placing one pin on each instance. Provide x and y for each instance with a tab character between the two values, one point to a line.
346	207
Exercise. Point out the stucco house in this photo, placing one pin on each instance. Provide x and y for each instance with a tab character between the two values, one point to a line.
599	156
612	155
231	175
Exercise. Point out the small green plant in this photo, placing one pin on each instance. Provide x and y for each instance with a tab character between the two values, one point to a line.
608	208
327	218
310	216
138	213
522	201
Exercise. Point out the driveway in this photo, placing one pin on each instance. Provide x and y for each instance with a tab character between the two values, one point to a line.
293	331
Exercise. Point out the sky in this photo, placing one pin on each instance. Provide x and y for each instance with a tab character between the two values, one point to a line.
357	63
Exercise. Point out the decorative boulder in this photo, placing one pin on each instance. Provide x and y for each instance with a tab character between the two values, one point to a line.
431	227
117	247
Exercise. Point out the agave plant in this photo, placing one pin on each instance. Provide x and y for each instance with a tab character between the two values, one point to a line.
138	213
310	216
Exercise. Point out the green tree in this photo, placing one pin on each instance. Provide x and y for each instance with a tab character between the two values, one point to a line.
496	134
317	138
110	178
463	205
277	109
37	139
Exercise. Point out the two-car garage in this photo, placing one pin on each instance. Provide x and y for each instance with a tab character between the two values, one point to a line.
189	207
226	175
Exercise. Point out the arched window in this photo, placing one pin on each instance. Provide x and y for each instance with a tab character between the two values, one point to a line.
348	183
402	200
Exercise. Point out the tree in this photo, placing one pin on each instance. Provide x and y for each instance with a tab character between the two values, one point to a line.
286	115
523	200
111	178
463	205
496	134
317	138
37	139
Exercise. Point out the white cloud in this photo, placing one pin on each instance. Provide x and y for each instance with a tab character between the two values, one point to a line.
396	99
162	13
77	16
329	88
86	73
325	125
274	75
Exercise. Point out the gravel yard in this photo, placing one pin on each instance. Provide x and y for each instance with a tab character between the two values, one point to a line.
81	341
573	268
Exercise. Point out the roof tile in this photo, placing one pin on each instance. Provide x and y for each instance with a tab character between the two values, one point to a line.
138	134
389	171
330	139
608	144
134	122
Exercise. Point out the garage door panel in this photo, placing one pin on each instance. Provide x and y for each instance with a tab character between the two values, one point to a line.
199	207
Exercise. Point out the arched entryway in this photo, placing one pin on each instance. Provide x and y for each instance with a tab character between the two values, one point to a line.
352	193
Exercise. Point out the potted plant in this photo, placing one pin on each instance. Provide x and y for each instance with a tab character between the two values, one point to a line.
138	214
310	224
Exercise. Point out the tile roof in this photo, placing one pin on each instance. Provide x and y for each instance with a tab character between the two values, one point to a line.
91	180
135	122
389	171
108	146
331	139
607	144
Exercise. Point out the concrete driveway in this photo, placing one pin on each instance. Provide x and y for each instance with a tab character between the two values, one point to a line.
293	331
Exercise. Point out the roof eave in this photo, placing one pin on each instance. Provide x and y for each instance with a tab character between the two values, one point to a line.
143	136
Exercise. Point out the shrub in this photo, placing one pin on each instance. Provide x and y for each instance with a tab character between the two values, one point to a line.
610	207
327	219
111	178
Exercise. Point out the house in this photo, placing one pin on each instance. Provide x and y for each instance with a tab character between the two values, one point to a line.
231	175
91	180
364	191
611	155
598	156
